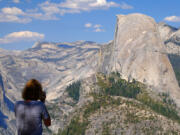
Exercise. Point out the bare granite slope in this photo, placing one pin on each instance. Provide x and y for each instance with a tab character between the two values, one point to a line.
171	38
138	52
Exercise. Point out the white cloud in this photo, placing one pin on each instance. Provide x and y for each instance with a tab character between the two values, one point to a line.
13	14
96	27
87	5
77	6
16	1
99	30
172	18
41	16
21	36
123	5
13	18
88	25
52	11
50	8
12	11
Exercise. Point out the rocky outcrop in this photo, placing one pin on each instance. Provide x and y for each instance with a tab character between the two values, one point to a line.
166	31
171	38
139	53
174	38
129	120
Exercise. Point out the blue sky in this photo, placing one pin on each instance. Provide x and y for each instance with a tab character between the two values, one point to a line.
24	22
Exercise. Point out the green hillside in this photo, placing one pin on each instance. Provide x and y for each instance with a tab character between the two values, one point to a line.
119	105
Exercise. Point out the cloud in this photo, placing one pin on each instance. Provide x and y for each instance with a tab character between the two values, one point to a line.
41	16
88	25
49	8
13	14
123	5
87	5
16	1
52	11
99	30
21	36
13	18
96	27
77	6
12	11
172	18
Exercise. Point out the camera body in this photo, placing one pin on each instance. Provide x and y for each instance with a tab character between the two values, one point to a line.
42	96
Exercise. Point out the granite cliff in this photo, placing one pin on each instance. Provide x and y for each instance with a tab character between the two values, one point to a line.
139	53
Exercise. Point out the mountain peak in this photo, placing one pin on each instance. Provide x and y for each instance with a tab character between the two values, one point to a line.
138	53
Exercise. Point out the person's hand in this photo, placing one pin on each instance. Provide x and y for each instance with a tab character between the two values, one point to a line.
43	96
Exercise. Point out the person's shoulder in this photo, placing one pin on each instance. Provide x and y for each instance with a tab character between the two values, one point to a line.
37	103
19	102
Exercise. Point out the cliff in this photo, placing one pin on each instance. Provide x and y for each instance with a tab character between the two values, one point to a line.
138	52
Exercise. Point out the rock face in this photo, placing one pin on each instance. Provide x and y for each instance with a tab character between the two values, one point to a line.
170	37
55	65
166	31
138	53
7	121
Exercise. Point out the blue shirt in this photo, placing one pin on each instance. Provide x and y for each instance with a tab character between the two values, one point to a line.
29	117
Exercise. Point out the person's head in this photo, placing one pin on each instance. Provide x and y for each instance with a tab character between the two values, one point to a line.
32	90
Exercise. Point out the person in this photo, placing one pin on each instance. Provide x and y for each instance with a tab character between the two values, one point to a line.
31	111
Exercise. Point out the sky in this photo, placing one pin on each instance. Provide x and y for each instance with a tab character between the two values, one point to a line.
24	22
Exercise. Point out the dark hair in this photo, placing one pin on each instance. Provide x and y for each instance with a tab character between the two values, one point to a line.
32	90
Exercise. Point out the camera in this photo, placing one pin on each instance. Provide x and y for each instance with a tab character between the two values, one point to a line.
43	96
